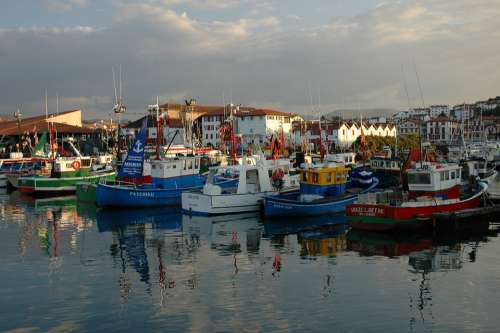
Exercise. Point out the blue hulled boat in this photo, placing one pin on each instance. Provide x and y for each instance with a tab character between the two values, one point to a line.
323	190
169	178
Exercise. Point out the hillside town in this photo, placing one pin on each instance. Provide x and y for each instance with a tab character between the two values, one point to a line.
440	125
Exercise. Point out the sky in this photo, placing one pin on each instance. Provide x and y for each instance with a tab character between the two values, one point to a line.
291	55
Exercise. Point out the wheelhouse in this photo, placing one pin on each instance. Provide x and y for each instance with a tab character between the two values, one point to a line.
434	177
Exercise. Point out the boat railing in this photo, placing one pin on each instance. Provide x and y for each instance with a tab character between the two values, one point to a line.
117	182
388	197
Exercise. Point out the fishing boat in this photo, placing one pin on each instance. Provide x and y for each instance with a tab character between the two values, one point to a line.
14	162
66	173
478	167
169	178
433	187
36	167
254	183
324	189
387	169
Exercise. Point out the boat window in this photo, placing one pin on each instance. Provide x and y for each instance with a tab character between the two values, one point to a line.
315	177
339	176
419	178
190	164
196	163
304	176
453	175
328	177
445	175
185	164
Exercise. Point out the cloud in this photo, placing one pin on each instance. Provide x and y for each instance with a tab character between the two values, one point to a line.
168	48
65	5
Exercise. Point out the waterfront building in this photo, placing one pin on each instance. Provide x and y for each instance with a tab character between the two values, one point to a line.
436	110
341	134
256	126
409	126
489	104
19	135
463	111
173	131
441	130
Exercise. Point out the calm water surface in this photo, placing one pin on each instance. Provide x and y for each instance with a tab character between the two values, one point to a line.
66	268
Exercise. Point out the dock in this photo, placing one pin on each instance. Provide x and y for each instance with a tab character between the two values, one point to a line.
464	217
467	213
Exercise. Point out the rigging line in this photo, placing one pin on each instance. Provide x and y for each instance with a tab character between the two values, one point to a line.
419	85
405	86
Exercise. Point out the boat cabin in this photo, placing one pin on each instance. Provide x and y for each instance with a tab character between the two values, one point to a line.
434	179
345	158
71	166
386	164
324	180
476	167
175	167
253	179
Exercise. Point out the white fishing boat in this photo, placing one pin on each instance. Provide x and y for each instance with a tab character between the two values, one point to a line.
254	182
478	168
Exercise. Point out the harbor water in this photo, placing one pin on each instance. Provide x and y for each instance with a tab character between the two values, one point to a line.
66	267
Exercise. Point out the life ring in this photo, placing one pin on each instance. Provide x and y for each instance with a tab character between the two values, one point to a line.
76	165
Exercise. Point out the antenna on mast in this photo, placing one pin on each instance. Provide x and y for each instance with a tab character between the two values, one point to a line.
114	84
46	106
120	82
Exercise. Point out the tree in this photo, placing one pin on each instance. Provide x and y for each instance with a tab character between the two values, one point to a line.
377	143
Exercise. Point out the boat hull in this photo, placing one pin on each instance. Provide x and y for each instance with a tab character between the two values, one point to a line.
36	185
130	196
384	218
284	205
86	192
197	203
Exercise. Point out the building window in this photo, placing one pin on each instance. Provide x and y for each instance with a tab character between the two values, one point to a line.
315	178
328	177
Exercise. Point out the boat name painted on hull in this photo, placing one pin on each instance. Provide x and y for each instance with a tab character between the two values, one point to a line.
142	194
367	211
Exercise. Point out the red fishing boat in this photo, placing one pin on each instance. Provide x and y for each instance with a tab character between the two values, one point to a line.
432	187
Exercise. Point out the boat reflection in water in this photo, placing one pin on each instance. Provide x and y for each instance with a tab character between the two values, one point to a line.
140	237
316	236
225	234
282	227
158	218
327	240
371	243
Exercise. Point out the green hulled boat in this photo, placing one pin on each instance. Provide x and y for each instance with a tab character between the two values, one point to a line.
86	192
66	173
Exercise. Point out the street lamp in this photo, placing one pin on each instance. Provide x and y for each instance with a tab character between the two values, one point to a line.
18	117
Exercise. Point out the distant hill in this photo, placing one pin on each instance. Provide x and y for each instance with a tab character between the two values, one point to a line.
356	113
